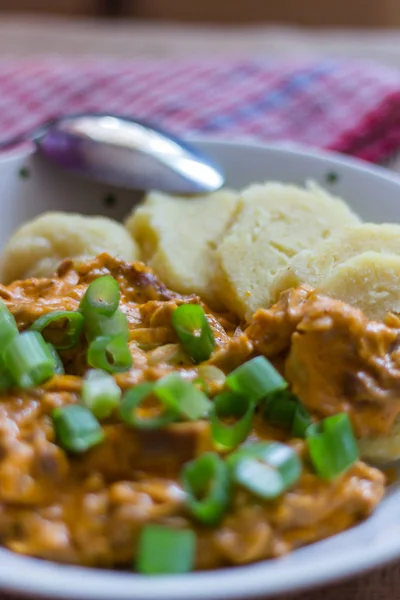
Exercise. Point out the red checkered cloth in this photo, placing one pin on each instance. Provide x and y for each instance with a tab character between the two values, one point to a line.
352	107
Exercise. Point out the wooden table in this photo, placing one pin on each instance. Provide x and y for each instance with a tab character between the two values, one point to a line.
39	35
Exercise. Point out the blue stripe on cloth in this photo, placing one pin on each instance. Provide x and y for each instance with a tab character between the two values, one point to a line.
275	99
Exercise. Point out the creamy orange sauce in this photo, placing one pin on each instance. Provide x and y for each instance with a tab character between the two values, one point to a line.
334	358
89	509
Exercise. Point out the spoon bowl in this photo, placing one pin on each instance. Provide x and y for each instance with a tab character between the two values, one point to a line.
127	153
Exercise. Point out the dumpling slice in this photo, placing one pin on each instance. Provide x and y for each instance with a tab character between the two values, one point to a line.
178	238
37	248
274	223
369	281
311	266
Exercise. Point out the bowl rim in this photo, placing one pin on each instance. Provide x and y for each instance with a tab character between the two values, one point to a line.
35	577
285	147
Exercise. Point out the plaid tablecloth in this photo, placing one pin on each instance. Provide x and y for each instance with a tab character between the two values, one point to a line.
352	107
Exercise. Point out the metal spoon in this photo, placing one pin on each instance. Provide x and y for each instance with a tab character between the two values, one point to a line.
124	152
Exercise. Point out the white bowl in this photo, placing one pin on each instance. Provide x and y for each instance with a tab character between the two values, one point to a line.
375	194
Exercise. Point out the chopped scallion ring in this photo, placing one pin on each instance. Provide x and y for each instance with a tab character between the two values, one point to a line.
100	326
234	406
61	328
256	379
8	325
164	551
29	360
100	393
301	422
141	418
194	331
266	469
284	408
110	354
182	397
76	428
332	446
206	481
6	381
58	364
101	298
280	408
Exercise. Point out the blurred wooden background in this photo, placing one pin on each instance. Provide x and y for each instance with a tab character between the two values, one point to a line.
351	13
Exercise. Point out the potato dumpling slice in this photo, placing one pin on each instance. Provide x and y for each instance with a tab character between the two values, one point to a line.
312	265
178	238
274	223
37	248
369	281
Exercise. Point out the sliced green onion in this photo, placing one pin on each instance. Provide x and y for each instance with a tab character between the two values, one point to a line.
28	359
256	379
100	393
266	469
182	397
206	482
284	408
110	354
280	408
332	446
102	297
194	331
8	325
76	428
58	364
230	404
100	326
131	404
163	550
62	328
301	422
6	381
